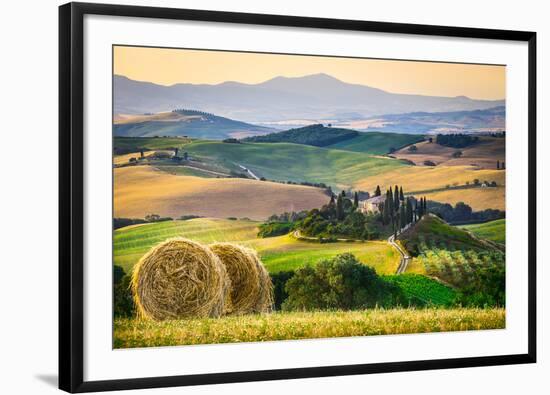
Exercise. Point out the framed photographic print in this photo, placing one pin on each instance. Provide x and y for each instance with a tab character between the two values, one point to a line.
251	197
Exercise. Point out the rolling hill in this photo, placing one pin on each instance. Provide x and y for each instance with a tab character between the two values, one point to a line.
189	123
433	230
377	143
316	135
127	145
483	154
477	198
493	230
143	190
318	96
294	162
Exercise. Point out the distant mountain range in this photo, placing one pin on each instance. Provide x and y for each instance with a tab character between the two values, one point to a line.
476	121
281	99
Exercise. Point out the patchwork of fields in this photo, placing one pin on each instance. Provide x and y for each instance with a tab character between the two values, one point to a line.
353	163
294	162
278	253
335	262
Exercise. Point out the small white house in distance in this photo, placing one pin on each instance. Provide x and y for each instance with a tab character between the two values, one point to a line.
373	205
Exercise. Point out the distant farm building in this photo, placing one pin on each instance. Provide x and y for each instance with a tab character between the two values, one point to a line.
373	205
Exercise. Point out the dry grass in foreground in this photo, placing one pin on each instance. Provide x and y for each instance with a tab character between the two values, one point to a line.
302	325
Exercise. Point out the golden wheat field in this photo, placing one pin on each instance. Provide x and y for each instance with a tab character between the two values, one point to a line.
130	332
143	190
478	198
124	159
426	179
419	178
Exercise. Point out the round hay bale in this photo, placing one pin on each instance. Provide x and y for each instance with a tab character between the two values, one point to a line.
265	300
243	274
179	278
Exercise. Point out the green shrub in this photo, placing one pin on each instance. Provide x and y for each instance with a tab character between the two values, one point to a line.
271	229
279	281
487	289
123	302
118	274
341	283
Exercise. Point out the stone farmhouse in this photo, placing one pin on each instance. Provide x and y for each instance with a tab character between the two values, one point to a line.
372	205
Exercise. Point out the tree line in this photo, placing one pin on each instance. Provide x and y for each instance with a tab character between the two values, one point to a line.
400	211
456	140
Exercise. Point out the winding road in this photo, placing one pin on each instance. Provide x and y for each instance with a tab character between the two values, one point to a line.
405	258
254	176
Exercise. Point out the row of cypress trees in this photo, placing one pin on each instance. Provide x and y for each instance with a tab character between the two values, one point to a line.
401	211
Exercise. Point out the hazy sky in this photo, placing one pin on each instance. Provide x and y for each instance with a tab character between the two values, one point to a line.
171	66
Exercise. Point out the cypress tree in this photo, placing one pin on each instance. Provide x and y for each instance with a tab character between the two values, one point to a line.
339	208
401	196
402	219
498	165
386	209
377	192
391	208
343	193
356	199
396	199
409	211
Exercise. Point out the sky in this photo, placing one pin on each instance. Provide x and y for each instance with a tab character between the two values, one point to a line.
171	66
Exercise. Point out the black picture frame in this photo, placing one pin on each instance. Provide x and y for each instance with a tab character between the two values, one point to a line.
71	204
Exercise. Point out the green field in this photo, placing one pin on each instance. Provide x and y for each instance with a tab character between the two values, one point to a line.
341	165
424	289
433	232
377	143
493	230
130	332
149	143
278	253
294	162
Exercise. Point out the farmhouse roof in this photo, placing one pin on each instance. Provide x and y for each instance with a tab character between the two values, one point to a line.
376	199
